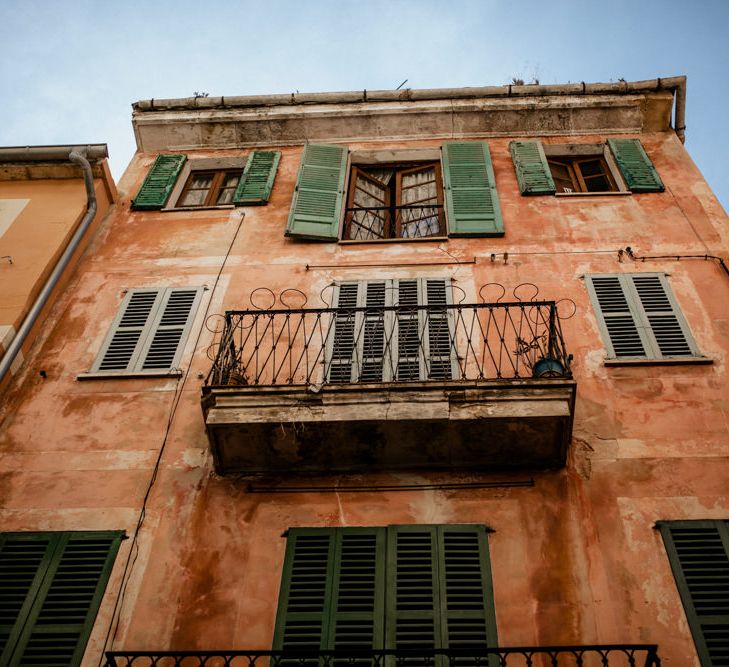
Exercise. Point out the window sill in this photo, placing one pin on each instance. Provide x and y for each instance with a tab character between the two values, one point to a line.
440	239
593	194
675	361
138	375
221	207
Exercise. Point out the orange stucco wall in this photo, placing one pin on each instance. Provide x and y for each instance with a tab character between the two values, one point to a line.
575	558
32	241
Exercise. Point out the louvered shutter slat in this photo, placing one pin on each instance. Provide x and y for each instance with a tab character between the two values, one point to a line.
316	206
472	202
636	167
57	627
302	620
622	335
259	174
699	556
127	334
159	182
667	326
532	169
164	346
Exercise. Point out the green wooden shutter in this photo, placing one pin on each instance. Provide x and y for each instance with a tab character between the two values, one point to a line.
257	180
24	560
316	208
699	555
357	614
129	330
159	182
73	574
472	203
638	171
532	169
169	329
439	591
302	619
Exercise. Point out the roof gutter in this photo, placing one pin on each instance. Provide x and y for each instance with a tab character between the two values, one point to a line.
675	84
77	155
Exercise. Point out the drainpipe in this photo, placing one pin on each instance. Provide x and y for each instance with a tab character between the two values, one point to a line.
77	156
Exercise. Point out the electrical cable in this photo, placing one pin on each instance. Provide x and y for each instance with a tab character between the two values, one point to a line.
134	547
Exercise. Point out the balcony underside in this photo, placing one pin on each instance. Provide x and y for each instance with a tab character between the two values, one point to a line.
517	424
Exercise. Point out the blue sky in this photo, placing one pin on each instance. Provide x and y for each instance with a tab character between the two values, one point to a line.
69	70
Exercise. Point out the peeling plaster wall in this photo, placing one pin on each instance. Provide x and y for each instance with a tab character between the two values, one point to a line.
575	558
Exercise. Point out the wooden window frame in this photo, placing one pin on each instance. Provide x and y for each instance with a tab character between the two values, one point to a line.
573	165
214	190
393	232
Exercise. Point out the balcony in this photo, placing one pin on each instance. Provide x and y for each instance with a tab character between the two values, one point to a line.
598	655
478	386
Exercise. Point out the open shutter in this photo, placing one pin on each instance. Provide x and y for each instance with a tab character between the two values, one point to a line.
58	625
532	169
699	556
302	619
616	315
470	190
128	332
170	328
257	180
24	559
636	167
467	617
666	325
316	207
159	182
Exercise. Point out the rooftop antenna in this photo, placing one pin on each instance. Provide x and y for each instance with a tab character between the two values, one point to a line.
401	85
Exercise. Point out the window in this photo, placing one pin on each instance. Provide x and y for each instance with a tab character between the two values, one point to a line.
699	555
619	165
210	188
395	202
587	174
452	192
50	591
174	182
391	330
394	587
149	332
640	319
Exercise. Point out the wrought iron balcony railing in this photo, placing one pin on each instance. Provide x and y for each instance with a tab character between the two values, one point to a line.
598	655
401	343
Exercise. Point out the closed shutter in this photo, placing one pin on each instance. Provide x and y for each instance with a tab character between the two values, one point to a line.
332	590
639	317
378	344
472	202
67	591
532	169
170	328
316	207
124	342
149	331
699	555
159	182
636	167
439	592
257	180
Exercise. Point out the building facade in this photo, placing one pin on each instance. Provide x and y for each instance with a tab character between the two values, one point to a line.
436	371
